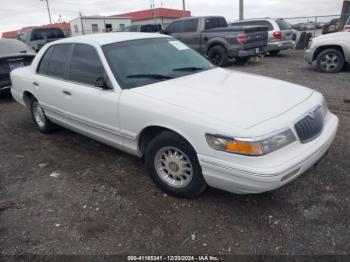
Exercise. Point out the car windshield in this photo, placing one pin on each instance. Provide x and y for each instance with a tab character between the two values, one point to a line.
142	62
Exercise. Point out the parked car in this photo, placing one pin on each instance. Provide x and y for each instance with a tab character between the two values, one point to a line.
13	54
280	33
38	37
304	26
329	53
149	28
211	36
347	26
194	123
335	25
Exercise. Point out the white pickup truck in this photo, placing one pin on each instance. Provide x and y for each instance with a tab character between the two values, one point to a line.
195	124
328	53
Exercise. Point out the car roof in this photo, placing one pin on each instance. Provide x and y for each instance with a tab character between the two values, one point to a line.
109	38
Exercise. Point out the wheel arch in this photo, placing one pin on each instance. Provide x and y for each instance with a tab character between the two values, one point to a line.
320	49
215	42
27	96
150	132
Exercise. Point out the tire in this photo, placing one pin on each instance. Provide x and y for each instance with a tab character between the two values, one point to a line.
242	60
274	53
40	120
330	61
173	165
218	56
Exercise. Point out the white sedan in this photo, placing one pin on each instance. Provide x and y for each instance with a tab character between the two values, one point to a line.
194	124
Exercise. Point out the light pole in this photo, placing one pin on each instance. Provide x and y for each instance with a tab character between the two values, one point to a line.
48	9
241	9
183	8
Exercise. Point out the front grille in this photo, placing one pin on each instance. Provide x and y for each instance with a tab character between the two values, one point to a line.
310	126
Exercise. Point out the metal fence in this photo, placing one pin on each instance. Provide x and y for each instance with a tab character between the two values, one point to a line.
317	25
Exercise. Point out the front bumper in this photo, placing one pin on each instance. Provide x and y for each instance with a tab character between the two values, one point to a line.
247	180
308	56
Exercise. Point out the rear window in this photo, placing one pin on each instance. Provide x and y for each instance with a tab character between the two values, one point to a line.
150	28
283	25
46	33
45	61
215	22
58	60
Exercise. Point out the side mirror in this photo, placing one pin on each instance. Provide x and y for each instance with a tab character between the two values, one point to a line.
163	31
102	83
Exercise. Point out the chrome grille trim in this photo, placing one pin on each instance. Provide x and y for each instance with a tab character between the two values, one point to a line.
310	126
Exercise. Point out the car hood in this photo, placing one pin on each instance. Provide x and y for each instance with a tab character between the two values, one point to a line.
332	36
242	99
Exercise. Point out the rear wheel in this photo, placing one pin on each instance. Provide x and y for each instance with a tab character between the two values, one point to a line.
39	117
218	56
330	61
173	165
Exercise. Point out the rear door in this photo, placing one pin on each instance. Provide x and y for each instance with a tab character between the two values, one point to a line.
50	80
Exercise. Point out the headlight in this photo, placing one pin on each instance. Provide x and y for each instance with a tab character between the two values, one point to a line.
324	108
249	146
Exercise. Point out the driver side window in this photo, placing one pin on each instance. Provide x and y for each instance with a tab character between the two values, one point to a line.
86	66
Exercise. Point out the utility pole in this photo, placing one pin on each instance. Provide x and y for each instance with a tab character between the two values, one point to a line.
153	10
48	9
183	8
241	9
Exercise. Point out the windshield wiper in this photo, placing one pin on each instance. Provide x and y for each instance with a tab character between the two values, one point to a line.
150	76
189	69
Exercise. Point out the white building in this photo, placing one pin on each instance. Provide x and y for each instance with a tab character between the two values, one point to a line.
84	25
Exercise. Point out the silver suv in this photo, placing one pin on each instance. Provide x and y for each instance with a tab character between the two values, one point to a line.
281	34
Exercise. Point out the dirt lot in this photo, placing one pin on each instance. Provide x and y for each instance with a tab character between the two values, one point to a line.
103	202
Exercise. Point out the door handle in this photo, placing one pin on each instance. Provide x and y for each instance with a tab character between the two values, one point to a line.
68	93
35	83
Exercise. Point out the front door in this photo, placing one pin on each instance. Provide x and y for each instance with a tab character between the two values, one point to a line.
92	110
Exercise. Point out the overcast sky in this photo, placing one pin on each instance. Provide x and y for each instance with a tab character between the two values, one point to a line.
15	14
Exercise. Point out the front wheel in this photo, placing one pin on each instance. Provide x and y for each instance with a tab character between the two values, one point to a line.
39	117
173	165
330	61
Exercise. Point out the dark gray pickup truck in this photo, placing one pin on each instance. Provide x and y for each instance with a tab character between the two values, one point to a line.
212	37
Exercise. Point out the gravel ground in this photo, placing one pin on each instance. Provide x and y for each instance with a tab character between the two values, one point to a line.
66	194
